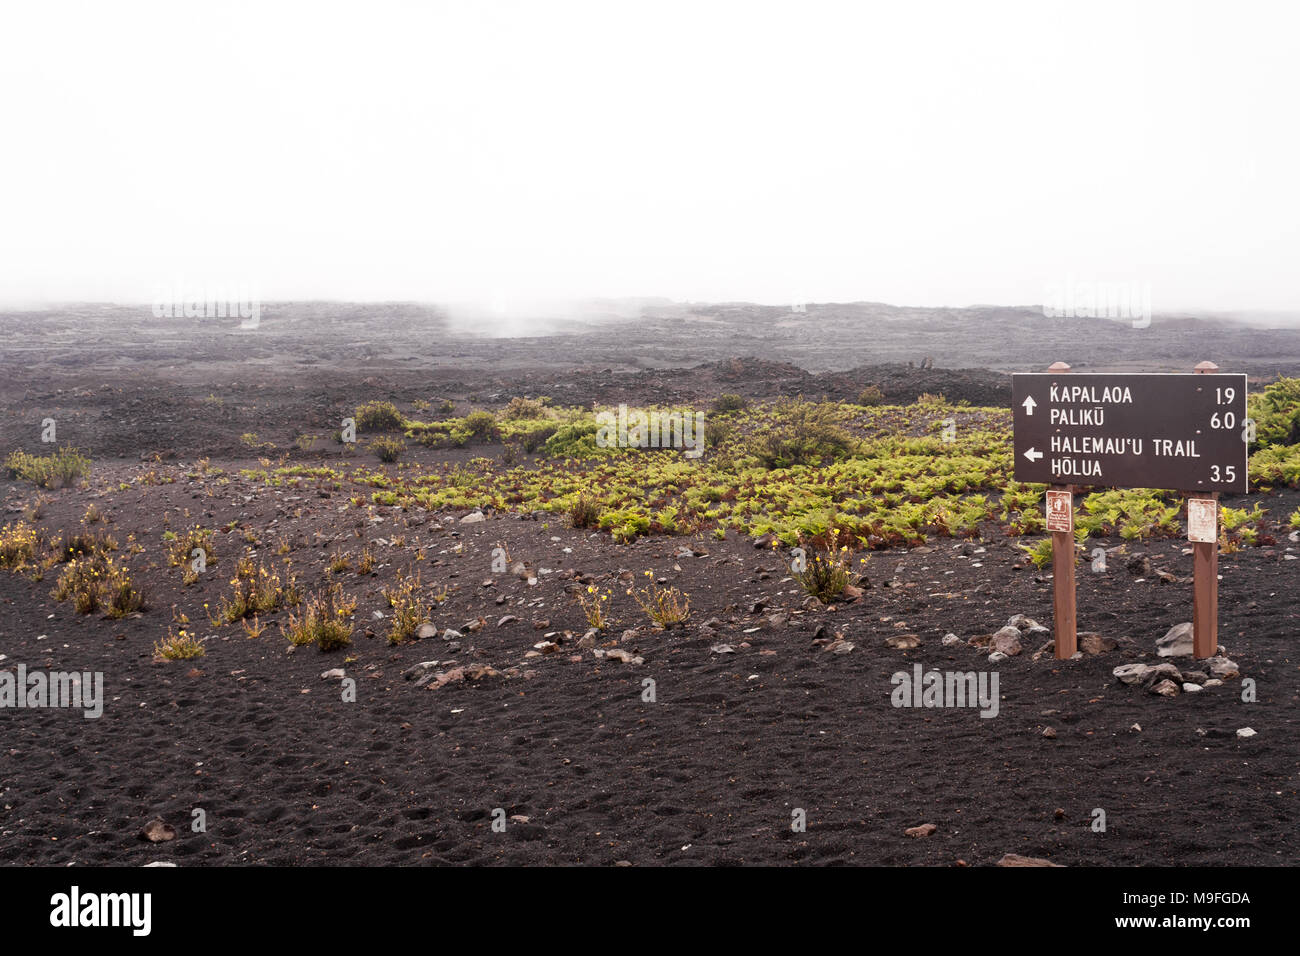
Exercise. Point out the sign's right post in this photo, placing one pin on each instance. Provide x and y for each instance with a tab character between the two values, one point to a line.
1205	573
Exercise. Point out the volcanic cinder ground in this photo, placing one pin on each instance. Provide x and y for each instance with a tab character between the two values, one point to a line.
754	714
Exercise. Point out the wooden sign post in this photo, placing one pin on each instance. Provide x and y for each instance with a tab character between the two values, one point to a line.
1205	565
1064	614
1132	430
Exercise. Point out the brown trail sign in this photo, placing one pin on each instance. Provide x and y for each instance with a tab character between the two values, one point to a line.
1181	432
1178	432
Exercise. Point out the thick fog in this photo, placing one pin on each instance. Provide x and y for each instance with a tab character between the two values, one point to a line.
513	153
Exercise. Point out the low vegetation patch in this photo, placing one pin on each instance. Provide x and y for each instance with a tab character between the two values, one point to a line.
324	620
826	576
664	606
254	589
19	544
62	468
98	583
178	645
409	612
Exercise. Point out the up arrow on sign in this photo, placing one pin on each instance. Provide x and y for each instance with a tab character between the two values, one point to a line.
1029	404
1033	455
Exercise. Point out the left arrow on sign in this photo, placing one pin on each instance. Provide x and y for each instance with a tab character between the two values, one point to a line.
1033	455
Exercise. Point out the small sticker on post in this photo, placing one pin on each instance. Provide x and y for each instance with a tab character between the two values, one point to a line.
1060	511
1202	520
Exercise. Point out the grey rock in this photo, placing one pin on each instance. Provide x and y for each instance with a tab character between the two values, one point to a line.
1165	671
1223	668
1165	688
1007	640
618	654
1092	643
1177	641
1132	673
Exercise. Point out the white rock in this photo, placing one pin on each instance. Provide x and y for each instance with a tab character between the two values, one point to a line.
1190	688
1246	732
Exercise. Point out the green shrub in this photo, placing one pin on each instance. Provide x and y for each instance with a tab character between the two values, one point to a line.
387	449
871	395
584	512
1040	552
531	434
1276	465
729	402
523	408
1276	413
575	440
379	417
804	434
480	425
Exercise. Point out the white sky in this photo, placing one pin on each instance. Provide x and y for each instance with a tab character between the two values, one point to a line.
915	153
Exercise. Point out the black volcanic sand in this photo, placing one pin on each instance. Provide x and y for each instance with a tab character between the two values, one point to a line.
287	772
709	773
